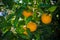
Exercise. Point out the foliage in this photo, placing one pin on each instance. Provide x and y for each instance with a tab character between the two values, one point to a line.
11	25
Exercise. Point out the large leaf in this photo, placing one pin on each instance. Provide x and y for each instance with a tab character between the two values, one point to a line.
52	8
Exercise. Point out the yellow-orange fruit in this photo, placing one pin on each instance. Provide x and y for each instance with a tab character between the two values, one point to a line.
46	18
32	26
27	14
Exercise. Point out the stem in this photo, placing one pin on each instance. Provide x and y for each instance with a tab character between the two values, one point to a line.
25	20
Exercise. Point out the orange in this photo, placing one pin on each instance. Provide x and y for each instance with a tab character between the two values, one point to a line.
32	26
46	18
27	14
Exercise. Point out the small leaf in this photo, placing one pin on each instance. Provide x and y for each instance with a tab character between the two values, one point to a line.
29	19
9	17
16	21
20	29
21	23
19	11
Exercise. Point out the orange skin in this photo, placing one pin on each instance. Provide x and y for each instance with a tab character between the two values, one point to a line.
32	26
27	14
46	18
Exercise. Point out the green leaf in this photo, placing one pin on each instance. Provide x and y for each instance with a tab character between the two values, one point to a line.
52	9
37	35
28	19
21	23
9	17
8	24
29	33
2	22
11	36
19	30
48	1
24	36
5	30
16	21
8	3
19	11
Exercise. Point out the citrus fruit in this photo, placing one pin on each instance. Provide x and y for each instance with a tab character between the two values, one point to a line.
32	26
27	14
46	18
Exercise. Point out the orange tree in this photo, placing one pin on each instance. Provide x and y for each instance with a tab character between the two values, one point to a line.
28	19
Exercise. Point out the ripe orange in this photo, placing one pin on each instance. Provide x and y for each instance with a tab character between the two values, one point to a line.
46	18
32	26
27	14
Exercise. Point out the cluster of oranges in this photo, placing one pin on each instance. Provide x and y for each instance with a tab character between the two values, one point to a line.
45	18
